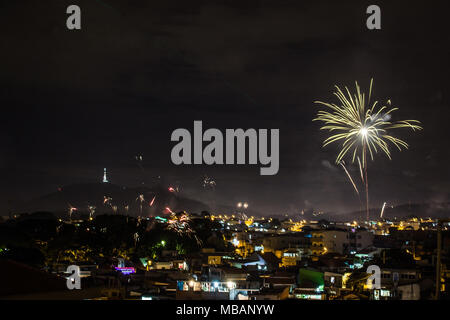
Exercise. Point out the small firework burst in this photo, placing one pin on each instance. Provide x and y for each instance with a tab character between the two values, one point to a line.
362	127
71	210
181	226
208	183
107	200
91	210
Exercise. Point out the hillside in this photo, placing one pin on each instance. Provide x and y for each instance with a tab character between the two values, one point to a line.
122	199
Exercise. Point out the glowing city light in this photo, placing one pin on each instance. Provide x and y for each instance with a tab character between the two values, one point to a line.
126	270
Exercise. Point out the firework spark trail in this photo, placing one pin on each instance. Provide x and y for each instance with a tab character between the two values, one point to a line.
350	178
153	201
141	200
208	182
71	210
361	171
136	238
382	210
358	125
139	158
91	210
181	226
362	126
169	210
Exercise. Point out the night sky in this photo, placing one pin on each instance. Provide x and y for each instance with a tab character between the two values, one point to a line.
74	102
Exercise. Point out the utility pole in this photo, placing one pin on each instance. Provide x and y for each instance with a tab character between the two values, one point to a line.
438	261
438	256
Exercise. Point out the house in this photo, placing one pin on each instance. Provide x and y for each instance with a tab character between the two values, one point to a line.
324	241
333	262
253	262
233	274
333	284
209	256
358	239
409	291
162	265
290	257
340	241
281	293
272	261
278	244
311	285
280	279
